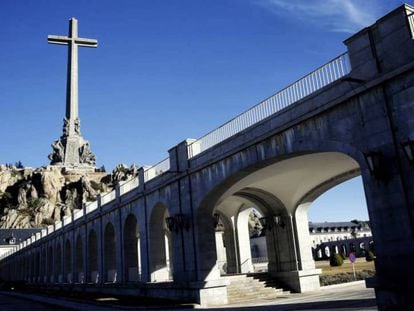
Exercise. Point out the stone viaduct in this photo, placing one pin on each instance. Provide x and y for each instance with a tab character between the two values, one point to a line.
155	235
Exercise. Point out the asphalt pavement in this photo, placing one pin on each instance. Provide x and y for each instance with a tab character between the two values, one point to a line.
347	297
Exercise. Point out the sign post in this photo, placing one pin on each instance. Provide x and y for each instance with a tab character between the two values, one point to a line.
352	259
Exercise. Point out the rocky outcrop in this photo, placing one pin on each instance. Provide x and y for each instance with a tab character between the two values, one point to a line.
34	198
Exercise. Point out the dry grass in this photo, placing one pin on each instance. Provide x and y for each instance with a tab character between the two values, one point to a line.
360	265
334	275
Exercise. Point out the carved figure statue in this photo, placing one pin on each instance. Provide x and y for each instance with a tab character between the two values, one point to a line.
65	127
133	171
77	126
88	192
119	173
58	152
22	197
33	192
70	201
85	155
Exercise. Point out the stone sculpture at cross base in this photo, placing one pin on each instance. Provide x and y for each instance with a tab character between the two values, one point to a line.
71	150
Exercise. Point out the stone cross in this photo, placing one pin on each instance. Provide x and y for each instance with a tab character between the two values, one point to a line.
71	150
72	83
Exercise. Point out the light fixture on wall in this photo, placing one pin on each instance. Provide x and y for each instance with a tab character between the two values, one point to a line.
178	222
408	147
216	219
374	161
269	222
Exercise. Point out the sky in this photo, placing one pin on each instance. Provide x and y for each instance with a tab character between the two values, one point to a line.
164	71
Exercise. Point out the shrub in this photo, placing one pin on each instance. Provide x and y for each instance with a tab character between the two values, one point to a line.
345	277
369	256
343	255
96	186
336	260
47	221
35	203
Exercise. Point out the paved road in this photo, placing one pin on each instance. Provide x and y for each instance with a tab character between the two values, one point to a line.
9	303
350	297
346	297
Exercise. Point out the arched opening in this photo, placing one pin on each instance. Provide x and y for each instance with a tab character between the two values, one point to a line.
79	260
93	257
37	266
32	267
58	264
49	268
240	237
132	250
344	250
283	192
160	245
110	254
44	266
68	261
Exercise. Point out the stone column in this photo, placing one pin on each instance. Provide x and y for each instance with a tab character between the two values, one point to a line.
195	261
374	52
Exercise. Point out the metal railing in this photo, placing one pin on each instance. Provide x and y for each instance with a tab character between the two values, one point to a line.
108	197
128	185
91	207
319	78
157	169
410	17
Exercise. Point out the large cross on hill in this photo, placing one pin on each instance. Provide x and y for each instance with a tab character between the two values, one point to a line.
72	83
71	149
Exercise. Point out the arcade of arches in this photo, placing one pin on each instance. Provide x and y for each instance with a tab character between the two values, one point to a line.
163	234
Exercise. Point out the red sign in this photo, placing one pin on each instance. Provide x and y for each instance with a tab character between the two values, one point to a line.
352	257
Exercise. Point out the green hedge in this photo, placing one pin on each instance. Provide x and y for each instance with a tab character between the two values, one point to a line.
336	260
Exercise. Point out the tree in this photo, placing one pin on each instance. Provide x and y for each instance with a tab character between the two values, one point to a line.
19	164
369	256
336	260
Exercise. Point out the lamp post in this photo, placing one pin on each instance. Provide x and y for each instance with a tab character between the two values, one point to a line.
269	222
408	147
178	222
375	161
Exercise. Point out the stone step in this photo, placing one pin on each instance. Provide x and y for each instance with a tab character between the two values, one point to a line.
243	288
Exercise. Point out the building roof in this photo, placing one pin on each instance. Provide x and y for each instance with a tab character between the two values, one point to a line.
19	235
337	225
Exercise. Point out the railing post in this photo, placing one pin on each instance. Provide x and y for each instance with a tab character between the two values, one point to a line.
118	193
179	156
98	201
141	179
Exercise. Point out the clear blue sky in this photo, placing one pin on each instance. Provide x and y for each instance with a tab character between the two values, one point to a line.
164	71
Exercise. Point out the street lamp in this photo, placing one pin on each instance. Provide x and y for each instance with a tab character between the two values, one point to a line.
269	222
408	148
374	161
178	222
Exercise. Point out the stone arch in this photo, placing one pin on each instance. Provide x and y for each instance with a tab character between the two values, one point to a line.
227	179
37	265
58	263
110	271
44	265
344	249
50	271
235	213
68	261
131	245
93	257
160	244
79	260
225	244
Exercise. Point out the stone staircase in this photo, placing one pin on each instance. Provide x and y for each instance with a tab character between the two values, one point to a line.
253	287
